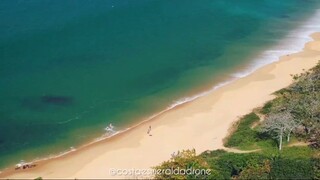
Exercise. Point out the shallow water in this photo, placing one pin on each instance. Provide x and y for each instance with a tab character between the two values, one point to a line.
69	69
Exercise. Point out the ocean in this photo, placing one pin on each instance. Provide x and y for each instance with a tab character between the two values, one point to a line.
69	69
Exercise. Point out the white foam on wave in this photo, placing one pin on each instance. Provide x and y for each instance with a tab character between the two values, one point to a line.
107	136
292	43
52	156
192	98
172	106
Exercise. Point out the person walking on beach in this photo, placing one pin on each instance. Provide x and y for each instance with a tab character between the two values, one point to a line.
149	130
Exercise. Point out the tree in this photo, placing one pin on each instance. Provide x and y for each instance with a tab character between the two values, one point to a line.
278	125
302	101
315	138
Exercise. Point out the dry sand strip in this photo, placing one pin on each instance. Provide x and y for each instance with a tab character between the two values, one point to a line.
201	124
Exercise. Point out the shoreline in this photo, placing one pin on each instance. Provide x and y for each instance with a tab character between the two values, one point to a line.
200	124
301	36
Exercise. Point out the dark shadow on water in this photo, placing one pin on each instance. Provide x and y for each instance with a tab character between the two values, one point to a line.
57	100
44	102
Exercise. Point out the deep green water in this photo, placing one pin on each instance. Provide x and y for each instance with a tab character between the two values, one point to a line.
70	68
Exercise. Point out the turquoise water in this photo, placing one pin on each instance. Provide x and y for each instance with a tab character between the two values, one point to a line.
70	68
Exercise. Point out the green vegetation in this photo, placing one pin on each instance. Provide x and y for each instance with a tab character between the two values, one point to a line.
247	137
185	160
295	110
293	116
243	136
226	165
292	169
266	108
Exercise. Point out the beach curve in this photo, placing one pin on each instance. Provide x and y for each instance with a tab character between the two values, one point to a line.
200	124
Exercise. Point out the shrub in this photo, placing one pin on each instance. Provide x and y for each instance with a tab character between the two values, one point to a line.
244	136
256	172
185	160
283	168
232	164
316	168
266	108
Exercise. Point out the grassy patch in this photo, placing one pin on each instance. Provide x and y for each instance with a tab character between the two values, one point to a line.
266	108
245	138
297	152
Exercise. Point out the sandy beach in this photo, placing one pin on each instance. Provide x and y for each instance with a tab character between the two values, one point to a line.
201	124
